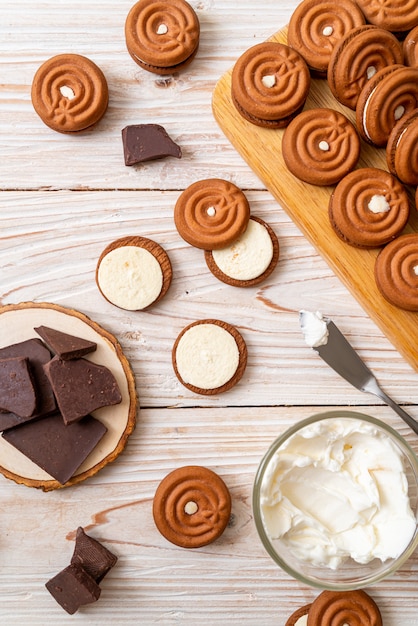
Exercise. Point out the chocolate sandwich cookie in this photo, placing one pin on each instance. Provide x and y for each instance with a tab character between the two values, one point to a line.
209	356
353	608
69	93
250	259
410	48
368	208
357	57
269	85
320	146
396	272
316	26
299	617
402	149
211	213
192	506
162	36
133	272
394	15
387	97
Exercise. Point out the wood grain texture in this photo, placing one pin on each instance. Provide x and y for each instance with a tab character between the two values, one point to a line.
62	201
307	205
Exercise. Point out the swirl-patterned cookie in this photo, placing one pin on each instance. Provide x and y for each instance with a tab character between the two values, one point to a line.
316	26
209	356
387	97
248	260
69	93
368	208
211	213
402	149
162	36
269	85
397	16
410	48
192	506
299	617
320	146
357	57
396	272
344	608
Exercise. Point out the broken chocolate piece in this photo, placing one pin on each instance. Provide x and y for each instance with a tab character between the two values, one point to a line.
17	393
37	354
81	386
64	345
73	587
92	556
56	448
147	142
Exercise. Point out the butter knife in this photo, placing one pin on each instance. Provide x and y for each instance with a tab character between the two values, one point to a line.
339	354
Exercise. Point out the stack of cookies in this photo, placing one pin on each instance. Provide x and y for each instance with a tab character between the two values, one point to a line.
368	59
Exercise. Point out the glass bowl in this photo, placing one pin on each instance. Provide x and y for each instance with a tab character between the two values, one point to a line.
316	571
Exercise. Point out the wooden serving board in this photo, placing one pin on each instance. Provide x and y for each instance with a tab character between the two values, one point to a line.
307	205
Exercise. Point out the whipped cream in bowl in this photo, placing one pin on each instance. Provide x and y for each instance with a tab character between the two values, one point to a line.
335	500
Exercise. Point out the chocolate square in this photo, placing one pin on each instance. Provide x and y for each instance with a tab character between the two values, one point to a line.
56	448
64	345
92	556
73	587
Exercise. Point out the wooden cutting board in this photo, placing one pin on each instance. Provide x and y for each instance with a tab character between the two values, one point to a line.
307	205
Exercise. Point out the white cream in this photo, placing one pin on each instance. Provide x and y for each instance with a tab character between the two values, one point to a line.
269	80
207	356
302	621
130	277
338	490
247	257
378	204
314	328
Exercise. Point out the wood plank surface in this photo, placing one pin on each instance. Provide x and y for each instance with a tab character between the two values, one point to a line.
62	200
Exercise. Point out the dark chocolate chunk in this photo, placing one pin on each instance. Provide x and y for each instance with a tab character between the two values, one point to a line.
56	448
92	556
37	354
73	587
17	392
147	142
81	386
64	345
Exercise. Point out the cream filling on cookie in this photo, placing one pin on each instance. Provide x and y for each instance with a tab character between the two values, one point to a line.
335	490
130	277
247	257
378	204
302	621
207	356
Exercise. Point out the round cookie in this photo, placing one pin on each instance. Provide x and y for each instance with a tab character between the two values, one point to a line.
354	608
397	16
396	272
209	356
299	617
410	48
211	213
402	149
316	26
69	93
248	260
133	272
320	146
357	57
368	208
269	85
387	97
192	506
162	36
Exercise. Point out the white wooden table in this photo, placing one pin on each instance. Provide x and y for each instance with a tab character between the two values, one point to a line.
63	199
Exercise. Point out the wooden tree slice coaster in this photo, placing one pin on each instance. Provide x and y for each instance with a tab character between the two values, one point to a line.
17	323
